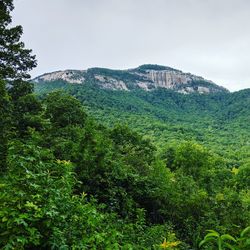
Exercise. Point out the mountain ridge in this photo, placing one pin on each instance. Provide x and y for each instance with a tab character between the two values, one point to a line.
147	77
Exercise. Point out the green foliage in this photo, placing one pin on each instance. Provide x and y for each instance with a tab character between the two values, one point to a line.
122	75
218	121
64	110
71	178
140	194
226	241
40	210
16	61
220	240
176	179
153	67
191	158
242	176
4	125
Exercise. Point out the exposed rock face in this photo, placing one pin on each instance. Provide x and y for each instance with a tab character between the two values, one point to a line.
169	79
71	76
146	77
111	83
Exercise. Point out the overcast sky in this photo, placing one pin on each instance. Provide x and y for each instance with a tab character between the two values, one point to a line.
210	38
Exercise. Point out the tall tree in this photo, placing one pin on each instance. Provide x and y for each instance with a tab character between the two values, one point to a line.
15	62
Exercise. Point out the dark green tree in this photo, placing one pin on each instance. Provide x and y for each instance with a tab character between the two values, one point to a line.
66	121
64	110
4	119
15	62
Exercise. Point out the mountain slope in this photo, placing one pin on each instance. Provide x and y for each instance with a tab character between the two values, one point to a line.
147	77
219	120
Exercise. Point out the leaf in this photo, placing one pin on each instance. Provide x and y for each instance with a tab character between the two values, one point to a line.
4	219
228	237
229	246
212	231
209	235
4	233
202	243
205	241
245	231
247	243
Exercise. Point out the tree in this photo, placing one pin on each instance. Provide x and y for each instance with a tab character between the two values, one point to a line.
64	110
39	209
4	118
191	158
15	62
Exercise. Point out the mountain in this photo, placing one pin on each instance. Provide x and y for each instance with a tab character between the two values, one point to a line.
147	77
218	119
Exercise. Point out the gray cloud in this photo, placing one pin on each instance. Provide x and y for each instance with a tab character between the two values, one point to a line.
210	38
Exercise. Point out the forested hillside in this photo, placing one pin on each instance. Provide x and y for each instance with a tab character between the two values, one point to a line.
74	176
219	121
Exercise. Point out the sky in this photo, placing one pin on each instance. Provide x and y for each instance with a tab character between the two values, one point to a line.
209	38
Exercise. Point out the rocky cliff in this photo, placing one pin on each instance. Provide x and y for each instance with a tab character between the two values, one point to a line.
147	77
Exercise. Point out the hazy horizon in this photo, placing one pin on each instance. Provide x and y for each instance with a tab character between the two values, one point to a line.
206	38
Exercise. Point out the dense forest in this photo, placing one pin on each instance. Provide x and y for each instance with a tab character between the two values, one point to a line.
219	121
86	168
